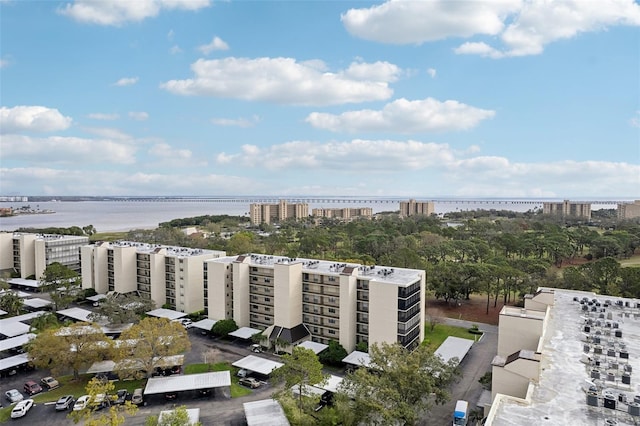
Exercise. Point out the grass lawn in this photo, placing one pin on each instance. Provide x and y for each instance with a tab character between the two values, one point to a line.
236	389
632	261
68	386
442	331
108	236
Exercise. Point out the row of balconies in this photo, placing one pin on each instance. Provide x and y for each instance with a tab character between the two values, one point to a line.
320	300
321	289
362	295
321	310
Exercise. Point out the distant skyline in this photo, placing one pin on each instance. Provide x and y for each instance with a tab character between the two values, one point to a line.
415	99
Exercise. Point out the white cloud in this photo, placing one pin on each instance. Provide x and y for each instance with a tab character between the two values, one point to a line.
236	122
175	49
71	150
103	116
635	120
163	150
286	81
432	72
404	116
4	63
416	22
523	27
118	12
126	81
138	115
108	133
32	119
216	44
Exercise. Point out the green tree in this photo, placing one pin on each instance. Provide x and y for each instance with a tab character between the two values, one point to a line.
301	368
240	243
398	387
122	309
176	417
89	230
76	346
334	354
223	327
62	283
44	322
115	415
11	302
155	339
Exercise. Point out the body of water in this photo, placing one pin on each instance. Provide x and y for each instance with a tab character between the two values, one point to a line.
108	216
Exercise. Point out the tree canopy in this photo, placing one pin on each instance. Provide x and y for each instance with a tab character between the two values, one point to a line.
62	283
114	415
122	308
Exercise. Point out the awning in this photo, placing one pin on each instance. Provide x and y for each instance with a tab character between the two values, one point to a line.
267	412
13	361
186	382
205	324
166	313
245	332
314	346
454	347
15	342
360	359
76	314
257	364
37	303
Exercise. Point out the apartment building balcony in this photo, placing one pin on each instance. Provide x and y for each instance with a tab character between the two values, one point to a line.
362	318
362	295
261	290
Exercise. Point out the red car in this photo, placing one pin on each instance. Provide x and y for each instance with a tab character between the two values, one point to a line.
32	388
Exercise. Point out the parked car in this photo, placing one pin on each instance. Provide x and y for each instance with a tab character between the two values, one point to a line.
242	373
170	396
49	383
100	401
13	395
249	382
22	408
121	396
137	397
81	403
256	348
187	323
32	388
65	402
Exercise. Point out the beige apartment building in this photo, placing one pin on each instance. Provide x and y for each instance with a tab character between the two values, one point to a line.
567	209
629	210
567	358
30	254
165	274
273	213
320	300
413	208
345	214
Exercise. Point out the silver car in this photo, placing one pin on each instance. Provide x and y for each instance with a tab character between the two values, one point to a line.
13	395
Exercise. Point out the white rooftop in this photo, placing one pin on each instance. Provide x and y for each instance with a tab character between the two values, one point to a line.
3	312
37	303
245	332
20	294
168	250
13	328
205	324
25	282
331	385
166	313
558	398
314	346
15	342
97	297
257	364
266	412
109	365
361	359
76	313
454	347
179	383
13	361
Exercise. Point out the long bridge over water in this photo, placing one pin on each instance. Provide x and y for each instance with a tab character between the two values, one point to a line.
352	200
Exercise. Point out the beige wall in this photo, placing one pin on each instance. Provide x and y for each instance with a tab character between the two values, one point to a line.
27	255
516	332
125	269
40	258
241	293
383	302
217	286
157	274
87	267
348	296
513	379
192	301
6	251
287	303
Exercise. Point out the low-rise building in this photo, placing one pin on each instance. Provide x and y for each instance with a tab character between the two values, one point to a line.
320	299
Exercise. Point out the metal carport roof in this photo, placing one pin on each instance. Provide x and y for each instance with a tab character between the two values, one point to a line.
13	328
361	359
13	361
267	412
454	347
186	382
76	314
15	342
314	346
169	314
37	303
205	324
245	332
257	364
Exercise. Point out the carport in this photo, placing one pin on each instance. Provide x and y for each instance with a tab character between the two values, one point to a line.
454	347
314	346
245	333
13	362
24	284
77	314
257	364
14	328
37	303
205	324
267	412
358	359
190	382
15	342
169	314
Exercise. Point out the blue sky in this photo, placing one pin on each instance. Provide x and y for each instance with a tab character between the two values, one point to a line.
438	98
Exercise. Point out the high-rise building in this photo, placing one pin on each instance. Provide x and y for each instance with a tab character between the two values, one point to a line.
270	213
345	214
629	210
165	274
318	299
567	209
413	208
30	254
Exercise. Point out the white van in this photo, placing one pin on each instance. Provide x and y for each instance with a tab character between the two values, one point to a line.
461	413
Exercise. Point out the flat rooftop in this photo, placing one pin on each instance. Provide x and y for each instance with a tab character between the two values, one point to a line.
387	274
169	250
559	398
521	312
